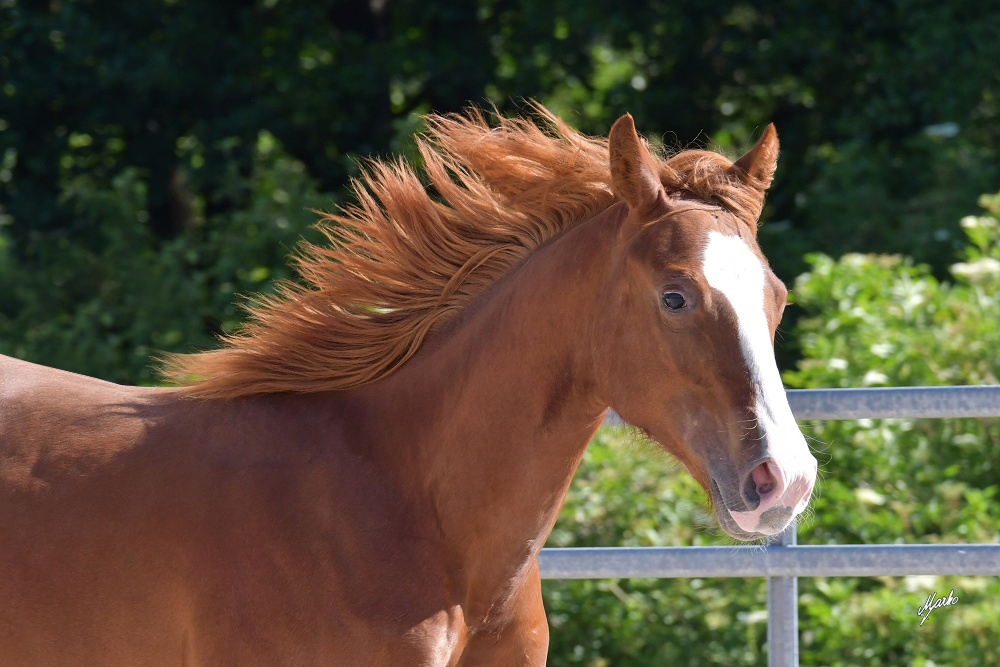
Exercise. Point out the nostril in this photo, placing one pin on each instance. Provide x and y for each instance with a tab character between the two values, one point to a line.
762	486
749	493
763	479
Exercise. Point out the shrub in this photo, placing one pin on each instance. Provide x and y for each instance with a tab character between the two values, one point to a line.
103	307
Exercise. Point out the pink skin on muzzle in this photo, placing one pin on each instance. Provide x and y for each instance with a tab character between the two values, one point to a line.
780	497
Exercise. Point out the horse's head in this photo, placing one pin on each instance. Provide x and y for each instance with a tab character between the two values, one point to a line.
689	318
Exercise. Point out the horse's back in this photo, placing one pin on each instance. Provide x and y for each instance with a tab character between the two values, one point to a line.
138	527
133	523
58	425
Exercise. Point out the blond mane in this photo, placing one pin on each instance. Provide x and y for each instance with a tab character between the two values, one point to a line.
406	257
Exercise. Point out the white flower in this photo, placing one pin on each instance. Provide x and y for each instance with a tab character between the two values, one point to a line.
836	364
869	496
874	377
915	582
974	221
854	259
755	616
983	267
882	349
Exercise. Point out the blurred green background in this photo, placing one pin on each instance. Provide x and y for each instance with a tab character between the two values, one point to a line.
157	158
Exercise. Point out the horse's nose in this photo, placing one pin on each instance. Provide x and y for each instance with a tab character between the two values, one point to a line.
774	494
764	482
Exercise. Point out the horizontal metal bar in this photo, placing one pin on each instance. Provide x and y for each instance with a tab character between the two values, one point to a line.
855	560
899	402
887	402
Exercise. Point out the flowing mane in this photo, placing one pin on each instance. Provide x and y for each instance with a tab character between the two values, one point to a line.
278	499
406	257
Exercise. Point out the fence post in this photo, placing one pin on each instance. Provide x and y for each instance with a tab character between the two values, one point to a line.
783	611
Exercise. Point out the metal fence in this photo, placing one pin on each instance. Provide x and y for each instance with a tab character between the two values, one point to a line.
783	560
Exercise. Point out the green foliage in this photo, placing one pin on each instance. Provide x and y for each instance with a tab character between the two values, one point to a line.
870	320
626	495
881	320
887	113
157	157
104	307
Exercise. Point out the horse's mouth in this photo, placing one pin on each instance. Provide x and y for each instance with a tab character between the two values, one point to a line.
726	521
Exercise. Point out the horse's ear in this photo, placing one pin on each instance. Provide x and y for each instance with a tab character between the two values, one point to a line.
756	168
633	169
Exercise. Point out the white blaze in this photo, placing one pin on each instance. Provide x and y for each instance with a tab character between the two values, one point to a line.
732	268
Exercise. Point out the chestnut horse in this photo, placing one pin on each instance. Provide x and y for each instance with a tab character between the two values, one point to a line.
365	474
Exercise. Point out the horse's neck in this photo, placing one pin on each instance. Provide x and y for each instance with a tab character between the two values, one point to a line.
497	414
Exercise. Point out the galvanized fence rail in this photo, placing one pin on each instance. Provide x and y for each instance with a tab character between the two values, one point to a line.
783	561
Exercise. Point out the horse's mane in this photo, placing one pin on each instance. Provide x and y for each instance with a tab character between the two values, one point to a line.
407	257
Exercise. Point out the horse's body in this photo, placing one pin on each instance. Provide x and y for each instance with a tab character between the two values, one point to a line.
397	521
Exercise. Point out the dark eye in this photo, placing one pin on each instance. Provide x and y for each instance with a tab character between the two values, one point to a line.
673	300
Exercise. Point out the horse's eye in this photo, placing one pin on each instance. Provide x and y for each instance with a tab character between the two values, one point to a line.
673	300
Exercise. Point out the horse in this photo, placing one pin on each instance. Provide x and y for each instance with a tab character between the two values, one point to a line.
365	473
